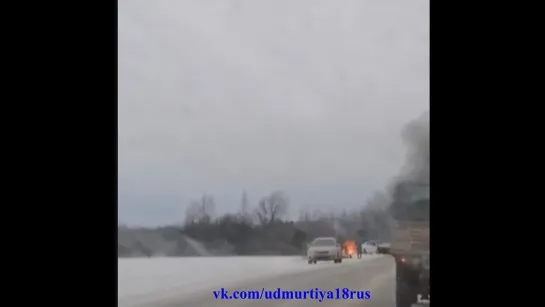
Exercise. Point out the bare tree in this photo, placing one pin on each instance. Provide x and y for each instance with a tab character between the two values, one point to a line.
305	215
344	215
192	213
272	208
200	211
244	215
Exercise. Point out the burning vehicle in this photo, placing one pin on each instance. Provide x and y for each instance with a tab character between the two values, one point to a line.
350	249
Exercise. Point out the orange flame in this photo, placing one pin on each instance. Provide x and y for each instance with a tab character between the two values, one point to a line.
350	247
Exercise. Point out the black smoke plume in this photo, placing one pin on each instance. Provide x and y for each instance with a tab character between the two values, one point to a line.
411	190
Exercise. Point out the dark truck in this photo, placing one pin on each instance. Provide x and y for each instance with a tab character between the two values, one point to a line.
410	243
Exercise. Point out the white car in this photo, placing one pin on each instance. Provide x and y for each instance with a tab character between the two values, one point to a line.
383	247
369	247
324	249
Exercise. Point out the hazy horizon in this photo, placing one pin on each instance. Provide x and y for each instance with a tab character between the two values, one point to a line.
221	96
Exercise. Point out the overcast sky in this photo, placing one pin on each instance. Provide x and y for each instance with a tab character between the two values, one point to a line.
304	96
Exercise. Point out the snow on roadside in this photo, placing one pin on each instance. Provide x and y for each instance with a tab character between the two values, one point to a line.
143	280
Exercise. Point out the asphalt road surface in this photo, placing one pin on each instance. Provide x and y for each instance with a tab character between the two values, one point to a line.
374	275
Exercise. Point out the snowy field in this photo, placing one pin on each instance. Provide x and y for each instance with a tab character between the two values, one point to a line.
144	280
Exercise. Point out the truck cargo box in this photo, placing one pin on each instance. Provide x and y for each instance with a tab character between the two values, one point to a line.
410	238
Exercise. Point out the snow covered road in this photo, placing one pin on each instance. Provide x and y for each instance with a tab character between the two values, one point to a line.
158	281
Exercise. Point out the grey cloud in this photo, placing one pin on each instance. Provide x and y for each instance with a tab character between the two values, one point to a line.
306	96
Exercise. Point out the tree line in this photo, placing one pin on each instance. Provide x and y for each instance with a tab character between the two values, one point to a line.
265	229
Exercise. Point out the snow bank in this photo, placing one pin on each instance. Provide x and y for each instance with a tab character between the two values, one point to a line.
144	280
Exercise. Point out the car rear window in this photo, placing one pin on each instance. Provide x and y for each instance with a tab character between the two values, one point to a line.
324	242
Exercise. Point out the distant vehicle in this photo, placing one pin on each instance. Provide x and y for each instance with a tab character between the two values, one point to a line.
324	249
369	247
383	247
